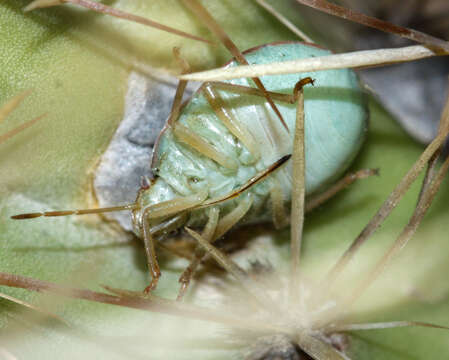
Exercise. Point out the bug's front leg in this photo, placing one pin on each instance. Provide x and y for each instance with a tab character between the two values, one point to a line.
152	262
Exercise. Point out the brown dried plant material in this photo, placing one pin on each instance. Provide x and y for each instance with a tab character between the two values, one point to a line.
417	36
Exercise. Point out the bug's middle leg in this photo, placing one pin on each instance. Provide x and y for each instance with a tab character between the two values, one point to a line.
207	234
214	230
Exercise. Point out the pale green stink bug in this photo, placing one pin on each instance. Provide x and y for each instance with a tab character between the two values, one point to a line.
209	165
224	138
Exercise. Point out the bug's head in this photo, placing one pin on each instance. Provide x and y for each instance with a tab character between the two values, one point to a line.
159	208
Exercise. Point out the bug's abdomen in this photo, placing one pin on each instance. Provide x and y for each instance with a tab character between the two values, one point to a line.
335	122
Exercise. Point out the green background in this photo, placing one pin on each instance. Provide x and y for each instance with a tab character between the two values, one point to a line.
77	64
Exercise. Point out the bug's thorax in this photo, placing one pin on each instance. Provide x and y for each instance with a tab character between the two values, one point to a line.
156	192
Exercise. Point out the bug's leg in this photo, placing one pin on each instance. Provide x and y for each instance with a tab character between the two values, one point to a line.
215	28
248	90
187	136
407	233
280	217
163	209
207	235
230	121
315	201
394	198
185	68
149	245
298	191
214	230
104	9
251	287
252	181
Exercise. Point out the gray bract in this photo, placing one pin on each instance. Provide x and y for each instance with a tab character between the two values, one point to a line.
335	123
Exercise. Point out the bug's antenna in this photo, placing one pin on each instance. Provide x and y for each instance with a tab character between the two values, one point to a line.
101	8
74	212
254	180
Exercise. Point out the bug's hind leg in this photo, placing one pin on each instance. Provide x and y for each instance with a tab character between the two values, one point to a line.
298	190
393	199
217	30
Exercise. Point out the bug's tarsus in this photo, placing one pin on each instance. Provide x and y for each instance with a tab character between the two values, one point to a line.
104	9
215	28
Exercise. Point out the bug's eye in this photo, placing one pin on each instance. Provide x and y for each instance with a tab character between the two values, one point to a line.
193	179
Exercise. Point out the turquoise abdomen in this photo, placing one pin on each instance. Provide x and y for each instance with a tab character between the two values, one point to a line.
335	123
